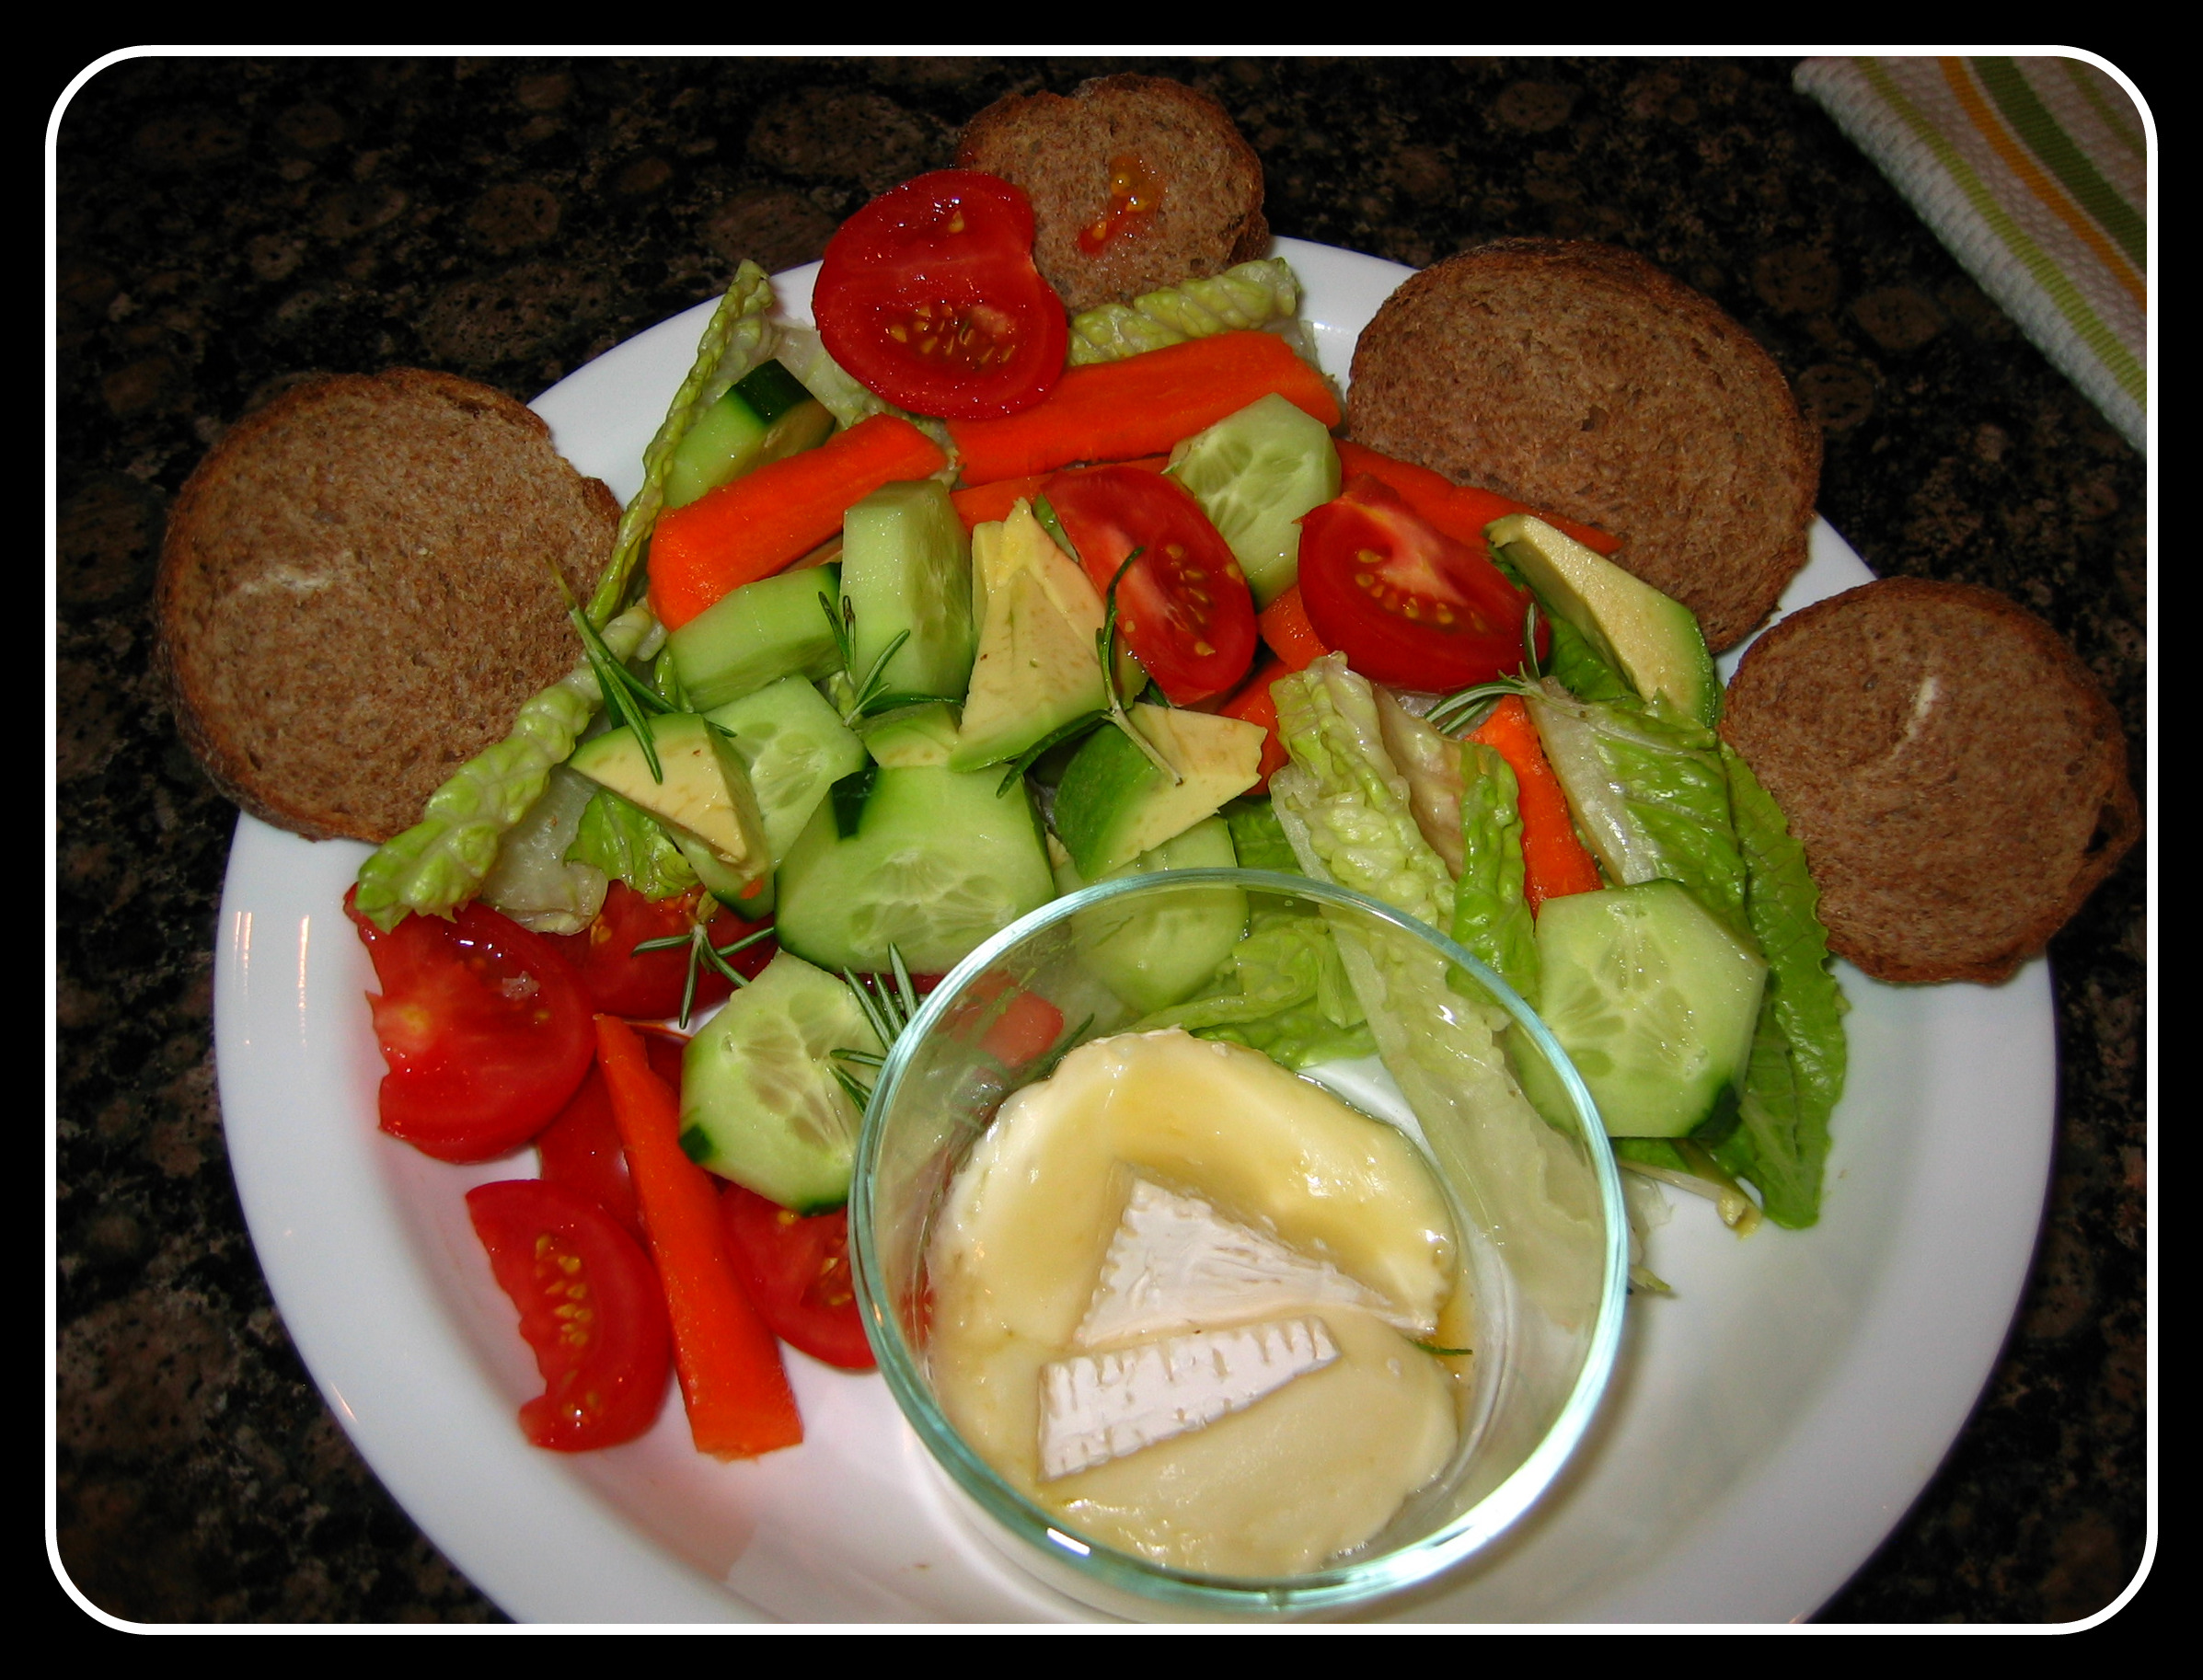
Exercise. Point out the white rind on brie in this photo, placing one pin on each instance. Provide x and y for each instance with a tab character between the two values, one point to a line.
1099	1407
1175	1263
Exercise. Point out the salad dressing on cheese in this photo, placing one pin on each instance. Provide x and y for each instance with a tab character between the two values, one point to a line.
1176	1298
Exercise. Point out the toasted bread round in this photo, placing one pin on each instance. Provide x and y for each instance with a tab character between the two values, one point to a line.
356	593
1061	150
1955	773
1579	378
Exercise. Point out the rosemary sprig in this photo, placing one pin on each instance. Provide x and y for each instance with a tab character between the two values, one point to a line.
869	694
1106	645
1529	640
888	1009
627	697
1471	707
1032	755
701	952
1436	1351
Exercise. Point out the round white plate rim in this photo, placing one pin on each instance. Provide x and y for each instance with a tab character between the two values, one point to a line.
376	1315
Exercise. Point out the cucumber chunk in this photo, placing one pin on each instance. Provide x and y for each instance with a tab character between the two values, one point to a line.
795	748
930	860
759	1102
776	626
1155	957
1654	999
1254	474
906	567
767	416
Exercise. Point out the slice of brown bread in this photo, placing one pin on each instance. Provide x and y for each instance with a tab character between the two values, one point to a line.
1955	773
356	593
1059	150
1580	379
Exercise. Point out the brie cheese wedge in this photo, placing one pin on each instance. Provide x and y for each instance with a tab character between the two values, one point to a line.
1100	1407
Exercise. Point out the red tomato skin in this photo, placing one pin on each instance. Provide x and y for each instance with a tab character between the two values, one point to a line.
485	1029
1015	1027
1184	607
796	1271
649	987
1254	704
589	1306
957	243
581	1151
1467	622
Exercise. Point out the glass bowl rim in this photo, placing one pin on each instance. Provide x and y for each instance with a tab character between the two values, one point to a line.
1336	1585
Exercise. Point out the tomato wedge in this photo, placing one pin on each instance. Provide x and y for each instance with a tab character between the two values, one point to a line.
1183	608
649	987
796	1273
1408	604
581	1150
485	1029
928	296
590	1305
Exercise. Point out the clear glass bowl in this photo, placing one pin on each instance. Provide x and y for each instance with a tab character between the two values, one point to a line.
1539	1206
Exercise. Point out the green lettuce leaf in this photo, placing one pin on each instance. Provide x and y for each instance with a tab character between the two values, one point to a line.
1258	294
1577	665
625	841
737	338
1648	788
1282	991
1491	916
1258	839
1781	1140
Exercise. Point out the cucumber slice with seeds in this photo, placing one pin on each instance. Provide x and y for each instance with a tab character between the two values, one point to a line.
1653	998
759	1102
1254	474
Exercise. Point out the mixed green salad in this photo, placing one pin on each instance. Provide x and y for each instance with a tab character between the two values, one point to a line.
935	722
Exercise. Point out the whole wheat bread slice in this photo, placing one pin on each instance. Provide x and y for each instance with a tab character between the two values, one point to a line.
1059	150
1954	771
1580	379
356	593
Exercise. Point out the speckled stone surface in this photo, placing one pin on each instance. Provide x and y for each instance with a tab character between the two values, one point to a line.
228	226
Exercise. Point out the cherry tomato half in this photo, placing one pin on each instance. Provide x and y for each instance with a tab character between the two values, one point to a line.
1408	604
796	1271
928	296
486	1030
590	1305
1184	607
649	987
580	1148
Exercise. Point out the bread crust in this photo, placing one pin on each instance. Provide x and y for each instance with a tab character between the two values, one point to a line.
1580	379
1058	149
356	593
1955	773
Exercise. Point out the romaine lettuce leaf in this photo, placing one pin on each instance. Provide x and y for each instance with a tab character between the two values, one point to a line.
1256	294
1258	840
1781	1140
534	880
1282	991
625	841
1491	916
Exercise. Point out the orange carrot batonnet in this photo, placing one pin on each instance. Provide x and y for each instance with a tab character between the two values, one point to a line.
1554	863
1284	628
1143	405
766	519
732	1378
1461	510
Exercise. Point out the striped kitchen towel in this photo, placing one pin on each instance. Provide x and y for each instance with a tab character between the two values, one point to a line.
2037	173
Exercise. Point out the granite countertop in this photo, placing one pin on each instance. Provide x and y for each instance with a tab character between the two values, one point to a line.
225	226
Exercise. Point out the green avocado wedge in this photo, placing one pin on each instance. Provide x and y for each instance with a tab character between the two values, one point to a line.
1650	637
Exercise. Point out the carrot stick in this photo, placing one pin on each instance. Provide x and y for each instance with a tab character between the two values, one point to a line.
1255	704
1554	863
980	504
1461	510
739	1401
1284	626
765	520
1114	410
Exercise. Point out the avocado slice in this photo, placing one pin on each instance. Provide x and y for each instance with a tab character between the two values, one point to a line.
703	796
1650	637
1112	804
1037	668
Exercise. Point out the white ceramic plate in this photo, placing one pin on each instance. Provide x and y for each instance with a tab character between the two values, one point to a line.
1768	1426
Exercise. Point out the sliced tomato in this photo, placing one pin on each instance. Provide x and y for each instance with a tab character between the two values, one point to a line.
928	296
648	988
486	1030
1407	604
580	1148
796	1273
1184	607
1014	1026
590	1305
